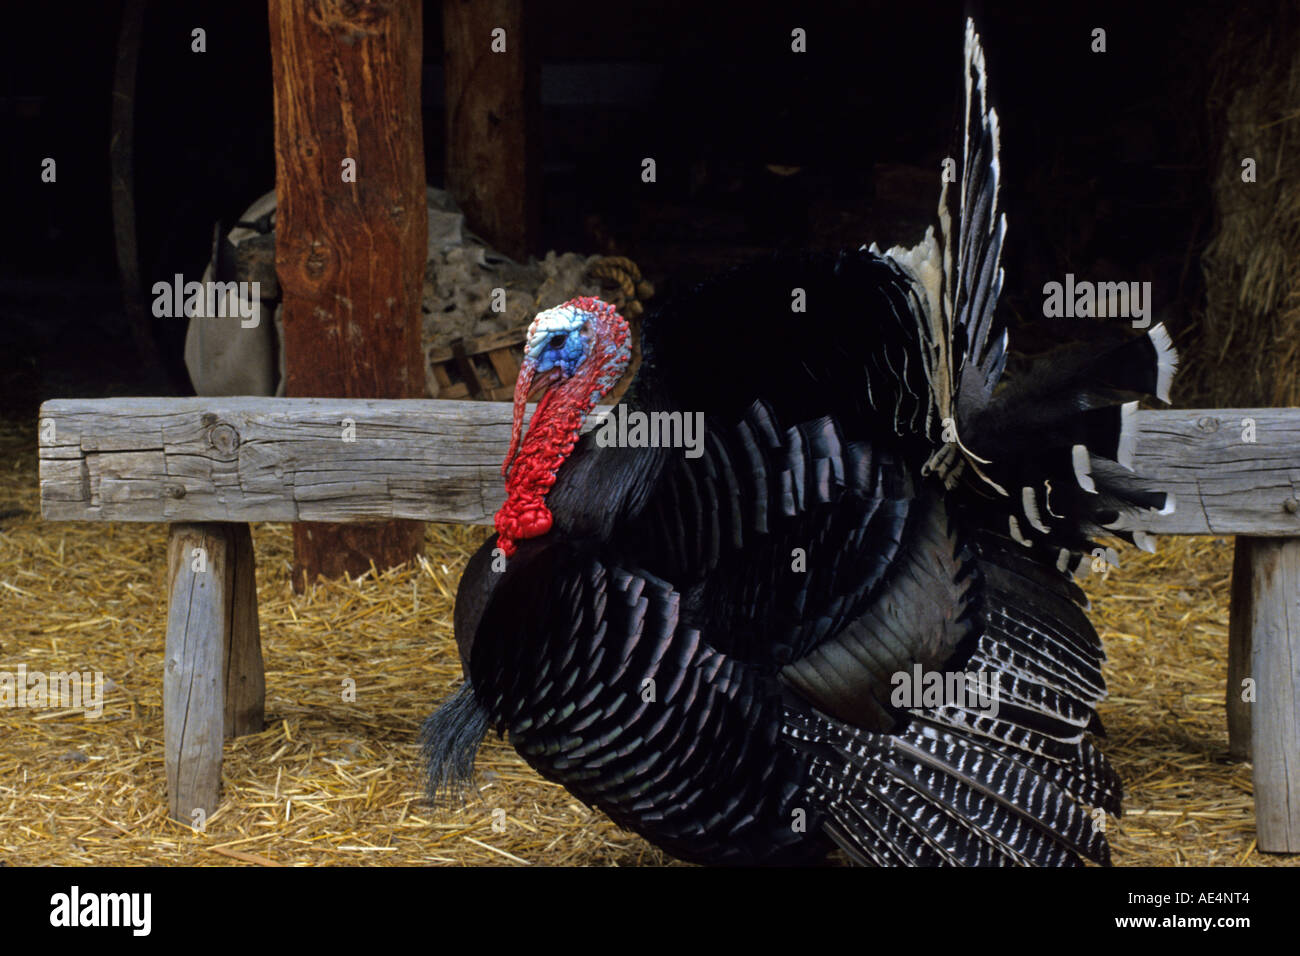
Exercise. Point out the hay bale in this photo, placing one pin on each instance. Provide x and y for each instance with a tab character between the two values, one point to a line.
1248	349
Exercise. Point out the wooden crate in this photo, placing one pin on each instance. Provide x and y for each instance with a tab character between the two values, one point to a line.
482	367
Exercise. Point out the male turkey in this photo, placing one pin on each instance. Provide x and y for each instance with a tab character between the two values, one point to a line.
710	649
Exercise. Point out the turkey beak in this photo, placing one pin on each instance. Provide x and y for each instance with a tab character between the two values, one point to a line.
543	382
529	387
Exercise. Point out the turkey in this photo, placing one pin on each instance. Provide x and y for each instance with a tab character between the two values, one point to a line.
848	619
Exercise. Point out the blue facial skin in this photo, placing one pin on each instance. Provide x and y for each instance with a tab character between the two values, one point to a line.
564	350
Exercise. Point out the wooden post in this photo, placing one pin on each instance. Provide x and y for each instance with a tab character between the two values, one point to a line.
491	76
1273	614
351	229
213	682
121	156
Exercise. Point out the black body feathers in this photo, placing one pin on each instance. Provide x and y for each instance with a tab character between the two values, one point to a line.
722	652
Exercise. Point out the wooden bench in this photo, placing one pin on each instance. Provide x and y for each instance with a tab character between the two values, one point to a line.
208	466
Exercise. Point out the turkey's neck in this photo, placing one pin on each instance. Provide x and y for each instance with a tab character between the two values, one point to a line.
551	435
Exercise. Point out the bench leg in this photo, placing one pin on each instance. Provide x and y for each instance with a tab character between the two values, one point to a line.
245	678
1274	622
1240	622
213	681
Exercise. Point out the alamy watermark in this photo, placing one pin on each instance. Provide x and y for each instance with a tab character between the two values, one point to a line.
133	911
1087	300
970	690
57	690
224	300
626	428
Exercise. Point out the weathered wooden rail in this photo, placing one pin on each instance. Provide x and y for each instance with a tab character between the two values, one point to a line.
208	466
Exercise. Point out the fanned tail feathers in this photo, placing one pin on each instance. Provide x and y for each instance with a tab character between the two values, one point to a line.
1036	466
961	277
931	796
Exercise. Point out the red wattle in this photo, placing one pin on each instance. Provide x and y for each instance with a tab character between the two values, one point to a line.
552	433
554	428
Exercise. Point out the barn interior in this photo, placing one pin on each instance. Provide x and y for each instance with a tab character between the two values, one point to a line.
1119	165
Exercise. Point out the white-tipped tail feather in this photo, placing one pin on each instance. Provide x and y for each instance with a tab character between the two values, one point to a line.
1083	468
924	261
1029	502
1144	541
1166	360
1014	525
1127	435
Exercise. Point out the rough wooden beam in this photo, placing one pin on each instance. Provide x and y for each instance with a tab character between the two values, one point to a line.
493	163
266	459
269	459
351	227
1232	470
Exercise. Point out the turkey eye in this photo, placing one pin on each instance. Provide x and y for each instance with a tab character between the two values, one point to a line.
558	340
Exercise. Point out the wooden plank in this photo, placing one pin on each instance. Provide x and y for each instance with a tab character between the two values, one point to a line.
1223	483
350	243
478	344
493	167
1275	666
200	576
505	365
268	459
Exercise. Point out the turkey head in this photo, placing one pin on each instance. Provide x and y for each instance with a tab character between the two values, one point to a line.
573	355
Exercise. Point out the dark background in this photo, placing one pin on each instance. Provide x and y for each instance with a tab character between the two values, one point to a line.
1105	158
